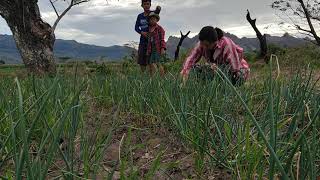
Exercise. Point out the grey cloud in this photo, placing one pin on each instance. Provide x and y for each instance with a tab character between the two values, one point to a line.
99	23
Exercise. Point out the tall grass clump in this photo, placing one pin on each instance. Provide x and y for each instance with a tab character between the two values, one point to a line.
42	129
267	128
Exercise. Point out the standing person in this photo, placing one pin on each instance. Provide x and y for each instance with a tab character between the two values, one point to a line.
219	51
142	28
156	44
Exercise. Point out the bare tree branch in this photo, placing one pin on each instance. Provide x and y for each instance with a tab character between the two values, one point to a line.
302	29
312	30
54	7
315	18
80	2
72	3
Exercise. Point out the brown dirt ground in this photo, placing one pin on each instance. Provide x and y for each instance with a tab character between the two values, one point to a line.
154	137
151	137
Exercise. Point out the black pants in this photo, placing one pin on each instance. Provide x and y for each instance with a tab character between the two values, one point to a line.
142	53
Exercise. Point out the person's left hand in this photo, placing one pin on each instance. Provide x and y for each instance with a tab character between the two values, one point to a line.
214	67
163	52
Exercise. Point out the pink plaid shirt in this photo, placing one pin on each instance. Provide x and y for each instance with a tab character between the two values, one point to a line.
226	52
158	37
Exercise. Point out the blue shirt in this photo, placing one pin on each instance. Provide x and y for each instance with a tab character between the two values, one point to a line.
142	25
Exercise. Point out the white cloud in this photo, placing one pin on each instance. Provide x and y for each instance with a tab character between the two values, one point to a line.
85	37
112	22
49	17
4	29
247	31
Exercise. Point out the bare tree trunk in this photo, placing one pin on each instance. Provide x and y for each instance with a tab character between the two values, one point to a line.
37	55
176	55
262	38
33	36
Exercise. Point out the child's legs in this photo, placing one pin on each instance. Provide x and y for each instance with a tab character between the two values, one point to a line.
161	69
143	68
152	68
142	56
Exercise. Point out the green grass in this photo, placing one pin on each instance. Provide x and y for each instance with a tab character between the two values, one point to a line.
10	68
267	128
301	56
255	130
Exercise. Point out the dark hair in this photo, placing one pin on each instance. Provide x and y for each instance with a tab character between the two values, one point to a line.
158	10
219	32
209	34
142	1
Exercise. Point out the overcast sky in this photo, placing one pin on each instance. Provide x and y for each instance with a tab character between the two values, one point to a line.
112	23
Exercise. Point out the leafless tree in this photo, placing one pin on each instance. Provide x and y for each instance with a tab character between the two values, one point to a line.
304	15
34	37
177	52
262	38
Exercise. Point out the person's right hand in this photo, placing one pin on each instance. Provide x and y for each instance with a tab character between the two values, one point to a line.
144	34
184	78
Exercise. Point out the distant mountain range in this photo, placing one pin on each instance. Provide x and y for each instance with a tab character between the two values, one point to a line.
248	44
66	49
78	51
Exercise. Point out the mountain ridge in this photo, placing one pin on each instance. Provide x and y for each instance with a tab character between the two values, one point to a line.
81	52
66	48
248	44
